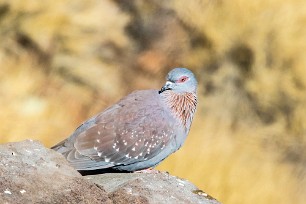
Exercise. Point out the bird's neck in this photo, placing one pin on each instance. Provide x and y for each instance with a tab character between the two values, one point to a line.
182	105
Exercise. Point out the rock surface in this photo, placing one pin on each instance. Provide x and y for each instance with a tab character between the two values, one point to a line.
150	188
31	173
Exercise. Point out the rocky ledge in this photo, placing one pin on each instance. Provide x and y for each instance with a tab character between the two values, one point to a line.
31	173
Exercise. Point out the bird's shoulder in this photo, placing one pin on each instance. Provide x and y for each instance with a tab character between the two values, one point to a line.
141	97
136	104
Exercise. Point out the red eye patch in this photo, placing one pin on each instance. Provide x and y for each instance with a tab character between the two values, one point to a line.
182	79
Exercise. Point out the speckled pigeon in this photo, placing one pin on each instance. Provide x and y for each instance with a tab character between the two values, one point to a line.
139	131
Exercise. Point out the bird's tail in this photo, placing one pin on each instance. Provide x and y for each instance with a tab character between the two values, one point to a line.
77	160
61	147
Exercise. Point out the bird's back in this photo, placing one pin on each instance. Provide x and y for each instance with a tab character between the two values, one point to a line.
136	133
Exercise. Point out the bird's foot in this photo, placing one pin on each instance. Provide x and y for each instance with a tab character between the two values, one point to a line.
148	171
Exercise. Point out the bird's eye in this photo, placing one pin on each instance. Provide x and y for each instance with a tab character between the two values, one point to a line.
182	79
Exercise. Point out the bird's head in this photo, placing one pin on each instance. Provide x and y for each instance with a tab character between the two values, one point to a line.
180	80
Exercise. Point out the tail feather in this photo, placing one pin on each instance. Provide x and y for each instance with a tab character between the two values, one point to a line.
79	161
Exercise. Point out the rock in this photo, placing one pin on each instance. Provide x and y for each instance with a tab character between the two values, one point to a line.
150	188
31	173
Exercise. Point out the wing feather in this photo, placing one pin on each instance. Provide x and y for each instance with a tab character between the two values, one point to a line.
131	131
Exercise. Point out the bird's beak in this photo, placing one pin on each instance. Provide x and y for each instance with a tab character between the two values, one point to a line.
167	86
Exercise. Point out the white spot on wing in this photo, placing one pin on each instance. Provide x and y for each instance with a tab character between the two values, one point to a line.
98	141
99	154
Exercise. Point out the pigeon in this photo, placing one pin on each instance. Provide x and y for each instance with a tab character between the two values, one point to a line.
139	131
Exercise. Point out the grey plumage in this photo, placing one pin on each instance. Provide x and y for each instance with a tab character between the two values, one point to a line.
139	131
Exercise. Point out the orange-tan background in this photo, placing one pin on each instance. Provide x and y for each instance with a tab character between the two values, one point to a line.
63	61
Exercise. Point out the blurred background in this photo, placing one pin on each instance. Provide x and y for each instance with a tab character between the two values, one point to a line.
63	61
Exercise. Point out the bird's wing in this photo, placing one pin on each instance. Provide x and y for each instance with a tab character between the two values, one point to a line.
133	130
